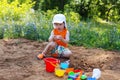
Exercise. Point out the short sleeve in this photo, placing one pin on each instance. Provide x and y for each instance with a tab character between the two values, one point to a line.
67	36
51	35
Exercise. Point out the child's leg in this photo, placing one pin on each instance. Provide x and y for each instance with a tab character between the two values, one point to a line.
48	48
67	53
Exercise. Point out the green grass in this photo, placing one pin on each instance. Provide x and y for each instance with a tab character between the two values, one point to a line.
90	33
96	35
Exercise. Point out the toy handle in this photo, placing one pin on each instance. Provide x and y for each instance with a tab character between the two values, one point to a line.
58	61
55	65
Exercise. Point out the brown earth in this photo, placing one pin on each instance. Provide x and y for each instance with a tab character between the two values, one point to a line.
18	61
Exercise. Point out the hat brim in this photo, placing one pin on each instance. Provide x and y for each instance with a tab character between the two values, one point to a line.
57	21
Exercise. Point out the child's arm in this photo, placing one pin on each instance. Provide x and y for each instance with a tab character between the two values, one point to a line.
67	36
66	40
52	37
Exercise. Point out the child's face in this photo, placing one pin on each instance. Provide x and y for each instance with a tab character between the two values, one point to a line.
59	26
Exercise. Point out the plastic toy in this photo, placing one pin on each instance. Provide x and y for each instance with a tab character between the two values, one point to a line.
78	78
59	72
69	69
69	79
83	77
64	65
77	70
51	63
71	73
90	78
73	77
80	74
96	73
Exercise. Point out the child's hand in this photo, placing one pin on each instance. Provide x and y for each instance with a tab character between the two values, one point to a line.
55	37
59	37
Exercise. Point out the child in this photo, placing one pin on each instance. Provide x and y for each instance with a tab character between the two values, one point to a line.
58	40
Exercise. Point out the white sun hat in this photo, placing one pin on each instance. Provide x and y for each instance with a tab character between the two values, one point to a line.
59	18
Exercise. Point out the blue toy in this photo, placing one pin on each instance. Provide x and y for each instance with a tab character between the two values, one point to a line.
90	78
64	65
72	75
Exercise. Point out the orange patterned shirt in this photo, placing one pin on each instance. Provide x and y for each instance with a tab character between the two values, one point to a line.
63	34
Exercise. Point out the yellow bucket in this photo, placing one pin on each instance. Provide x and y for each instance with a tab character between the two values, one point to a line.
59	72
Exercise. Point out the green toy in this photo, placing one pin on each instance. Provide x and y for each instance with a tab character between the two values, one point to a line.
83	77
71	73
69	79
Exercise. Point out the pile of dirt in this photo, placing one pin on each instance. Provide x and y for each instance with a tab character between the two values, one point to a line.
89	59
18	61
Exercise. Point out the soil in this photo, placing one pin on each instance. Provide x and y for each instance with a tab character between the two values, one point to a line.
18	61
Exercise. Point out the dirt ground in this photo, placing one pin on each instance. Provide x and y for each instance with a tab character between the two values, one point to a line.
18	61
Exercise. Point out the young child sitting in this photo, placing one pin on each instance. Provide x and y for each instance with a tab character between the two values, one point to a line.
58	40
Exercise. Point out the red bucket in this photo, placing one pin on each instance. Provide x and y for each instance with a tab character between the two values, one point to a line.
51	63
